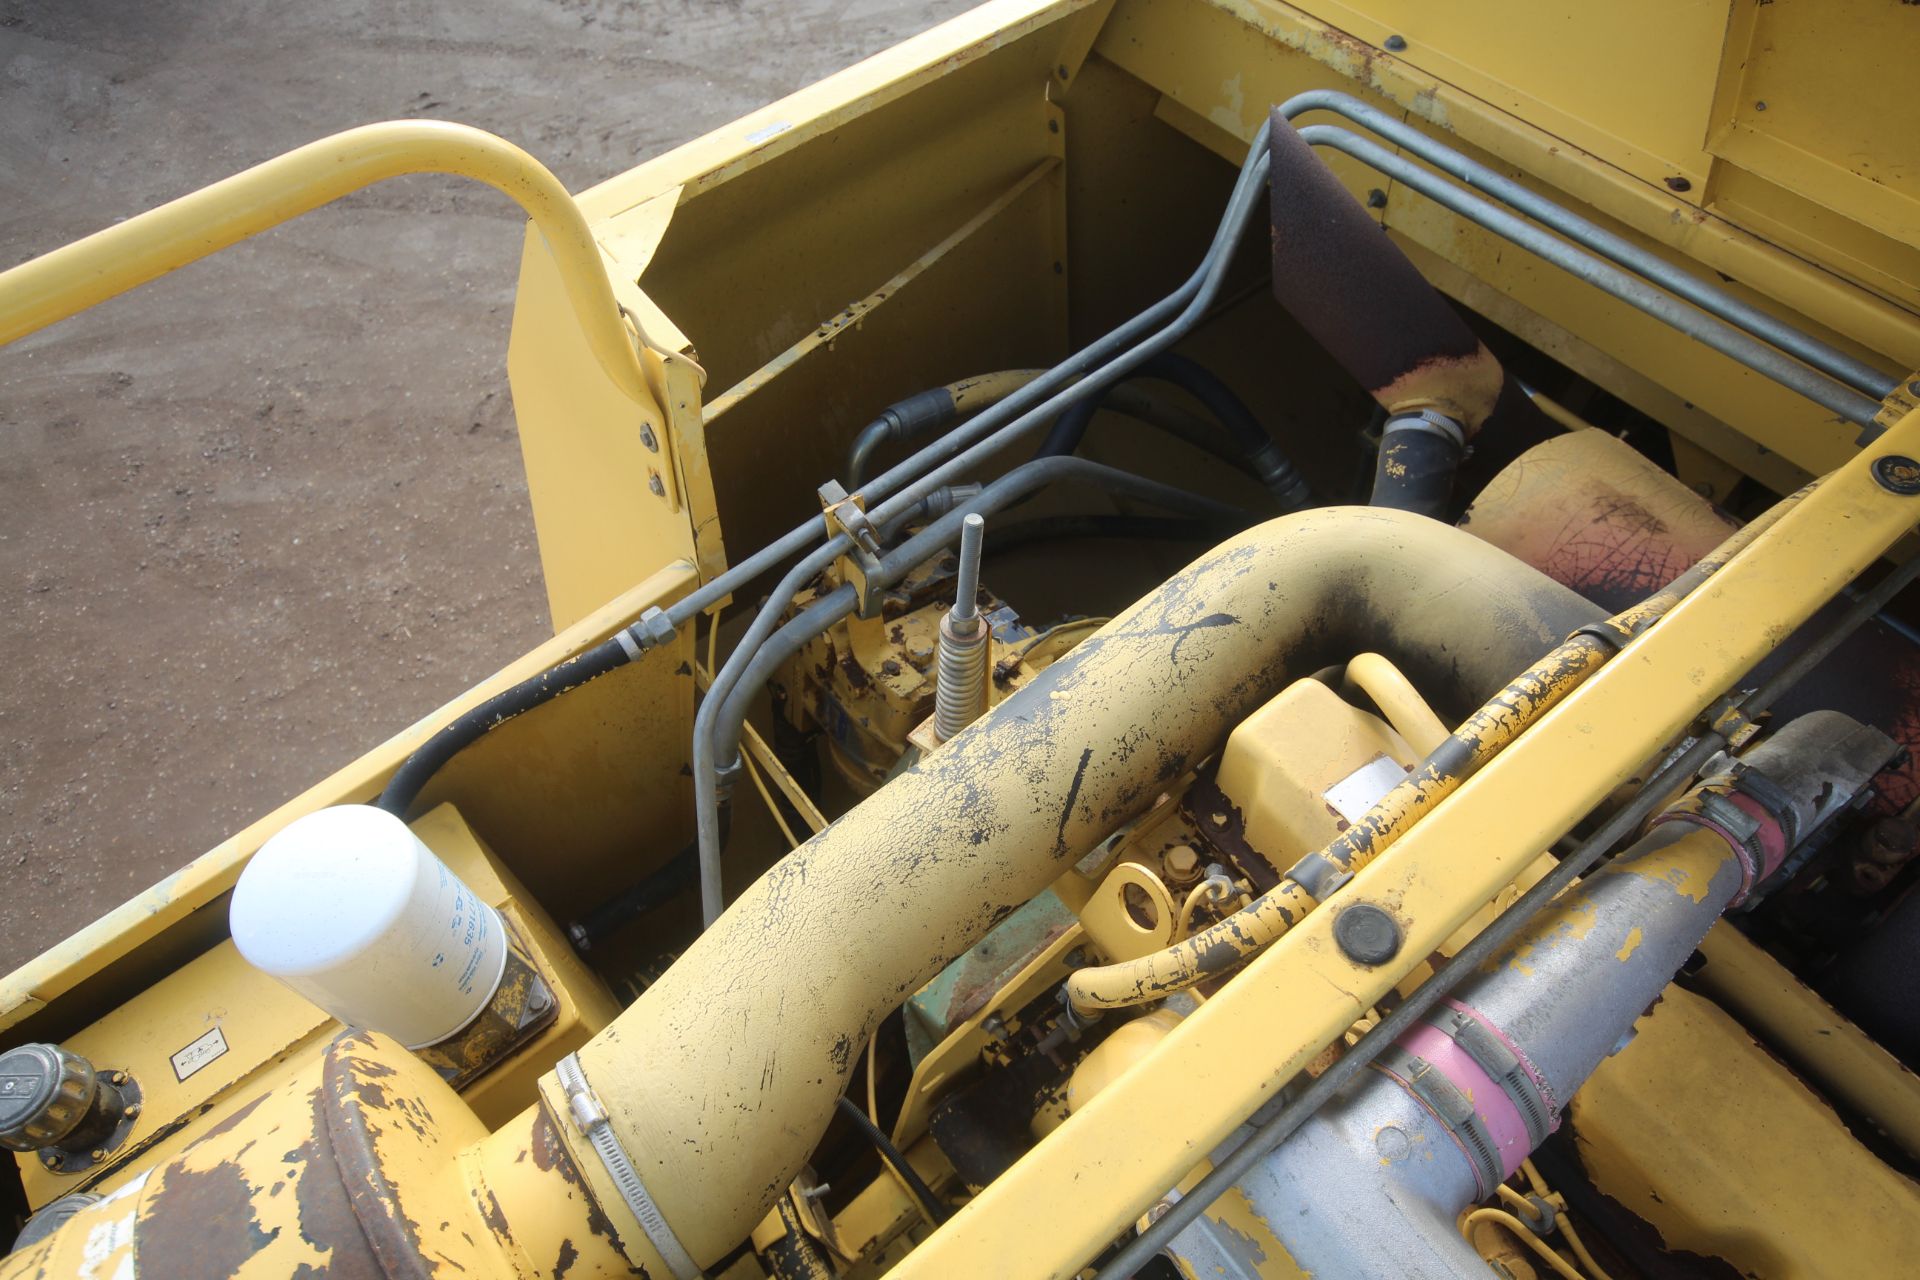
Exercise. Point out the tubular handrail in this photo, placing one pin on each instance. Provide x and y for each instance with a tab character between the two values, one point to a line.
107	263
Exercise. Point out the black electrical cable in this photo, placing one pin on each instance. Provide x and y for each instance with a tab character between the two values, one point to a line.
1490	940
936	1210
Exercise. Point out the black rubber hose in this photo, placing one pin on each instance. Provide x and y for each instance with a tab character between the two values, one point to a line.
679	875
1415	471
891	1154
918	414
404	787
1256	448
1009	537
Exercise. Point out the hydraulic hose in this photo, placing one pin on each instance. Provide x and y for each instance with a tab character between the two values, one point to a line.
755	1019
1485	734
1256	450
926	412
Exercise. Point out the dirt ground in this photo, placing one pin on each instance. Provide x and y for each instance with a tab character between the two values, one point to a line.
260	515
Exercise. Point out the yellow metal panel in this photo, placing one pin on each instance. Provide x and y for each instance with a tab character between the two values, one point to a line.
603	509
1824	109
983	297
1563	66
1701	1132
1037	1217
1811	1034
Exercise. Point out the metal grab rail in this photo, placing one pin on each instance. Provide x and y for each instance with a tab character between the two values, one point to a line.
107	263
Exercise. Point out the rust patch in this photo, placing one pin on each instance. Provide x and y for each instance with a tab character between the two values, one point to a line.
550	1155
228	1125
347	1095
200	1224
327	1220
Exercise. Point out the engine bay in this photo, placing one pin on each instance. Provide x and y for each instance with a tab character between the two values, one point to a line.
1308	776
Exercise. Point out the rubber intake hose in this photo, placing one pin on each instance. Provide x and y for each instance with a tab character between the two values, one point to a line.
1419	454
720	1079
1359	297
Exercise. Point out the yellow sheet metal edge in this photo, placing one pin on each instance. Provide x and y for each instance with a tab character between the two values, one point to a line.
781	126
63	966
1257	1033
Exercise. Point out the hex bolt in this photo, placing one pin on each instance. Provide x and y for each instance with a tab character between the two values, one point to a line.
655	486
1396	44
1366	934
647	437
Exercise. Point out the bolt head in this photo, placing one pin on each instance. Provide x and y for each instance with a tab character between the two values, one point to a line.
1897	473
1396	44
655	485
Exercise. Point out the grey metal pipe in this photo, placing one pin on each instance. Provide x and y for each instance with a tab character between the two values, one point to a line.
966	589
1709	298
1594	963
1705	329
1577	261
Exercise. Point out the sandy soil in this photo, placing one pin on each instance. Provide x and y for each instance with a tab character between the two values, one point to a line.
261	514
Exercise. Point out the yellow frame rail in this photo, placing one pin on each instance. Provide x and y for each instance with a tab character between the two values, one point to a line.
110	262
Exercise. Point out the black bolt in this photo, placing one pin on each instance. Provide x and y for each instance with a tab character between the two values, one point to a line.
1897	473
1396	44
1053	126
1679	184
1366	934
1376	199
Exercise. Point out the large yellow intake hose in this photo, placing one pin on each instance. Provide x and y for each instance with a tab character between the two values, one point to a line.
720	1079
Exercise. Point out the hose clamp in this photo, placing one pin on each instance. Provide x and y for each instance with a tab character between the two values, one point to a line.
590	1118
1452	1107
1431	421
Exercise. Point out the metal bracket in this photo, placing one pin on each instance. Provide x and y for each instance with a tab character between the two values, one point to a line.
848	515
590	1118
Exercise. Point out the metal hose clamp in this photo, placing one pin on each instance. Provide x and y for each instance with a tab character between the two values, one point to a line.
591	1119
1428	420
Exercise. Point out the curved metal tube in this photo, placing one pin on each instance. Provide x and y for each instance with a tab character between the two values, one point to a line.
758	1017
1709	298
110	262
1706	329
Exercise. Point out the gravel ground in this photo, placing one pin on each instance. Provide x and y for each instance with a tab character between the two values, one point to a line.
261	514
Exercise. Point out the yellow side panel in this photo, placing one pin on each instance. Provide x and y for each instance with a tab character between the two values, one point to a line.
1630	80
1700	1131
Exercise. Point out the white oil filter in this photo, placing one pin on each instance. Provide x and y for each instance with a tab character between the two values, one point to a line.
351	910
